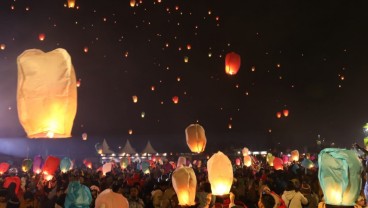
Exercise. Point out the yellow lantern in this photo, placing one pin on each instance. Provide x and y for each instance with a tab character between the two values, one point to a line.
47	93
71	3
185	183
196	138
245	151
220	174
294	156
2	46
247	161
135	98
132	3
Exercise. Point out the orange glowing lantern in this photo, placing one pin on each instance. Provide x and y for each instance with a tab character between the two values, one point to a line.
87	163
278	163
221	181
135	98
232	63
278	114
84	136
2	46
85	49
79	83
41	36
71	3
237	161
4	167
245	151
294	155
51	165
185	183
196	138
189	47
47	93
175	99
285	112
132	3
247	161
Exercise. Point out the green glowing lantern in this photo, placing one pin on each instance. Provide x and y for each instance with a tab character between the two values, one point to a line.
339	176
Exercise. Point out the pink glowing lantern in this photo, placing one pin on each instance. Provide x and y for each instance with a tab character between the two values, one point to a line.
278	163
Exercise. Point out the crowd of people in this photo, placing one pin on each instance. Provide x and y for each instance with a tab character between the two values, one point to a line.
82	187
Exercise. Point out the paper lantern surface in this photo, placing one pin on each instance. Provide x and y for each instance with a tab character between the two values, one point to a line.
245	151
26	165
185	183
294	155
4	167
278	163
247	161
109	199
71	3
65	164
47	93
220	173
78	195
307	163
232	63
51	165
196	138
37	163
339	175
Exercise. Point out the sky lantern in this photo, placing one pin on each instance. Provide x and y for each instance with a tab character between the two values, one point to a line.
189	46
278	164
65	164
132	3
26	165
247	160
87	163
79	82
41	36
130	131
186	59
196	138
237	161
51	165
285	112
175	99
245	151
84	136
269	159
47	93
278	114
184	182
221	181
4	167
71	3
135	98
2	46
85	49
37	164
294	155
285	159
339	175
143	114
232	63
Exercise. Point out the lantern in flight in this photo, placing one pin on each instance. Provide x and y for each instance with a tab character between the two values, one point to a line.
220	174
285	112
51	165
232	63
294	155
84	136
175	99
278	114
245	151
135	98
87	163
196	138
2	46
47	93
237	161
71	3
85	49
132	3
185	183
41	36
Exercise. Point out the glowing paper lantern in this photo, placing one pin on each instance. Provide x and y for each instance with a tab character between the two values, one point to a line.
65	164
285	159
132	3
294	155
71	3
2	46
87	163
232	63
182	161
85	49
278	163
84	136
269	159
307	163
196	138
47	93
145	167
175	99
286	113
106	168
41	36
186	59
51	165
278	114
220	173
245	151
247	161
237	161
37	163
12	179
135	98
110	199
26	165
339	175
185	183
4	167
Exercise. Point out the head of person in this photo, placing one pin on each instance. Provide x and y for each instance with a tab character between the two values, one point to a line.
134	192
290	186
360	201
266	201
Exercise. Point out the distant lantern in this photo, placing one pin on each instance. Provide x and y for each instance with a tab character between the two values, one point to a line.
79	82
143	114
2	46
47	93
175	99
278	164
71	3
153	88
135	98
247	161
87	163
232	63
41	36
85	49
189	47
132	3
285	112
220	181
184	182
237	161
84	136
196	138
294	155
186	59
130	132
278	114
245	151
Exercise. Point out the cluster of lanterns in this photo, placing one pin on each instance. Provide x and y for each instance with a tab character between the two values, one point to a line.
284	113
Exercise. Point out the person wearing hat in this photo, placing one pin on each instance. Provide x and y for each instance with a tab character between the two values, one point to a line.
306	190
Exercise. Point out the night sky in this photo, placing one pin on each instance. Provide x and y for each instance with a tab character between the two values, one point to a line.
308	57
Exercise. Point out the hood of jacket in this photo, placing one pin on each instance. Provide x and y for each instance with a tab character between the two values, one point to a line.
289	194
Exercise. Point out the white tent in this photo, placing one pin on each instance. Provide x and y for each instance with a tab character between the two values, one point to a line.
149	149
106	148
128	149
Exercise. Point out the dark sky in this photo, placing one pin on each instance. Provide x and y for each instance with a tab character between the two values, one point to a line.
310	57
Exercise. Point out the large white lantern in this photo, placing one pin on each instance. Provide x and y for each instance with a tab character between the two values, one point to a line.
220	173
